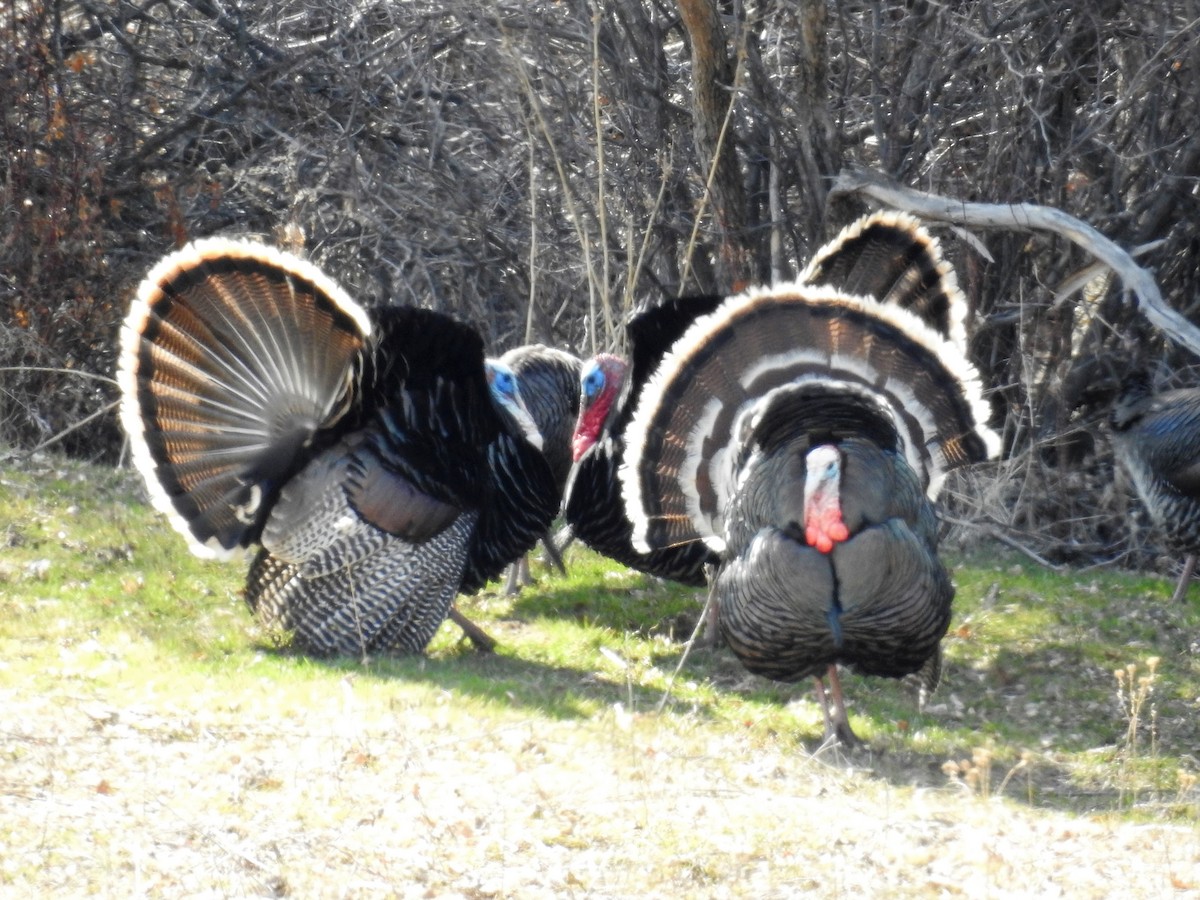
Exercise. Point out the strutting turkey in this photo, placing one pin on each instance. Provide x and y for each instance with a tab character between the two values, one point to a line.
609	388
801	433
373	458
549	383
1157	438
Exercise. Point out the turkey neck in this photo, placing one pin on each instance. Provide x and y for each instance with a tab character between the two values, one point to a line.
823	523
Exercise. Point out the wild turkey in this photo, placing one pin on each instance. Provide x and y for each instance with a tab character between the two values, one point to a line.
549	383
1157	439
801	433
377	463
609	388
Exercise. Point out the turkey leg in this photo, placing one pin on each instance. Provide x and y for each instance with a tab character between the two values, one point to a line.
837	722
1185	578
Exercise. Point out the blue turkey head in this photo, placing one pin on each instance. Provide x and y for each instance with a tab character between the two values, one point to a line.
506	394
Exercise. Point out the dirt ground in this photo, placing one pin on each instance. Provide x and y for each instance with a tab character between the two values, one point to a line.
398	793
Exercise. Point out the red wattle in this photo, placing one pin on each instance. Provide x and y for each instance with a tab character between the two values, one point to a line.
825	528
587	431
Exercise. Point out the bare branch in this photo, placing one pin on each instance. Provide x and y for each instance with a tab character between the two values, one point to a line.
1030	217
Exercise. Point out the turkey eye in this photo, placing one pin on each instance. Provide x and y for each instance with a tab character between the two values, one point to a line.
592	382
501	380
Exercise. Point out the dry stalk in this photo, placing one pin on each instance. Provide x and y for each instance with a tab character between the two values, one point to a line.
1133	693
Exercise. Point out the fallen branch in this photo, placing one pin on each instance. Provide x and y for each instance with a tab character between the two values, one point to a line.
483	641
1027	217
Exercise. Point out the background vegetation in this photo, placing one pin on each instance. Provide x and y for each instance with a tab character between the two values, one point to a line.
539	167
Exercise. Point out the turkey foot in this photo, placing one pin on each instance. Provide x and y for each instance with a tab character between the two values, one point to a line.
518	577
519	574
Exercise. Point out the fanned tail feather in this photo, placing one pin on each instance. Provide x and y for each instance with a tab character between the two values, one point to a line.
721	388
233	355
888	256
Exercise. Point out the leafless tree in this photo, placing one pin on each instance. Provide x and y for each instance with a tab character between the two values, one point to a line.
538	167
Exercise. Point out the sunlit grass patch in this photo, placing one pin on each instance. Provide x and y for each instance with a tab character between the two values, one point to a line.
100	597
153	740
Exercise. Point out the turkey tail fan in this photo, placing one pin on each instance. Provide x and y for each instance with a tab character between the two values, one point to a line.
233	355
651	332
890	257
735	372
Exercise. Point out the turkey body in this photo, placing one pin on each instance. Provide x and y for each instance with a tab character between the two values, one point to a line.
372	459
800	434
1157	439
879	600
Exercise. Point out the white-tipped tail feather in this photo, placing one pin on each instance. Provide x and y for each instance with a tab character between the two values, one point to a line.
725	369
218	359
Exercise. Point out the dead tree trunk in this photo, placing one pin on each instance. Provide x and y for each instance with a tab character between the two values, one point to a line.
713	77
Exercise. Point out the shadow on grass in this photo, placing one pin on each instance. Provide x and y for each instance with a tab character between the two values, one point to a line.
1036	719
560	649
554	690
624	601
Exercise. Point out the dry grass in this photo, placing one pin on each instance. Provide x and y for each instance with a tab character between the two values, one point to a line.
397	791
165	754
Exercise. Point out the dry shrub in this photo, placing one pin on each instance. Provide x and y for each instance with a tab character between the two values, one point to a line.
533	167
1078	515
58	292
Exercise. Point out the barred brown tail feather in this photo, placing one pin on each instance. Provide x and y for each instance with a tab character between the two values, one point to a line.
234	355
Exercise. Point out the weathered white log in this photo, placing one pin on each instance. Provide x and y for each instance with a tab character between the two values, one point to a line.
1030	217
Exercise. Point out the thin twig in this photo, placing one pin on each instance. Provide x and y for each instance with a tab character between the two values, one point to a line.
54	439
994	532
601	196
585	243
50	370
687	648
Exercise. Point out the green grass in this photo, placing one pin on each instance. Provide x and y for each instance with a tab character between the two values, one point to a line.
1031	654
103	610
